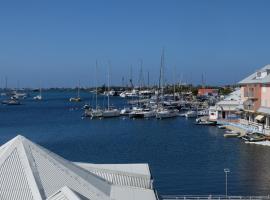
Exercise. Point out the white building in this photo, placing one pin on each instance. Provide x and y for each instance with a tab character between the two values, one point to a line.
30	172
228	108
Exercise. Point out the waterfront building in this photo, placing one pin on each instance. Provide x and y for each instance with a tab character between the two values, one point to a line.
31	172
255	94
227	109
207	92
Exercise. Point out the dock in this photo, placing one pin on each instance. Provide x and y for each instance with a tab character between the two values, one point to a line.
236	129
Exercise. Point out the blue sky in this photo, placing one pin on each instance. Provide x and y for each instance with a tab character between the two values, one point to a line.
56	43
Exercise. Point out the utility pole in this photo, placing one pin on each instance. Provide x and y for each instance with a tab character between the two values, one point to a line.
226	171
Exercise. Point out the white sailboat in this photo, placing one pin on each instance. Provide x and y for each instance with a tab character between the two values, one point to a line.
38	97
109	111
162	112
96	112
78	98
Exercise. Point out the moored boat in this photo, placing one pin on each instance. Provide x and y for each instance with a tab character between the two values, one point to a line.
11	102
110	113
166	113
191	114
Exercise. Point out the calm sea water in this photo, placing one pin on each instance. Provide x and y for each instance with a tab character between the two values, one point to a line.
184	158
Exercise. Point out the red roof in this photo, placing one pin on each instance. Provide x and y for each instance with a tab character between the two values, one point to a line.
206	91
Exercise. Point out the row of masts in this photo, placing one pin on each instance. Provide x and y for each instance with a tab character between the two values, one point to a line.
159	111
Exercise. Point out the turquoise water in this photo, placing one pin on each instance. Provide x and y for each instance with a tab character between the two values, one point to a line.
184	158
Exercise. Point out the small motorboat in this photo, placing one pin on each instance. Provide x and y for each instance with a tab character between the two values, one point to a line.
125	111
11	102
221	127
75	99
253	137
86	107
209	123
191	114
38	97
230	134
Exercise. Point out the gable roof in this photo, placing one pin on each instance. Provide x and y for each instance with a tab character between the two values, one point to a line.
252	78
28	171
31	172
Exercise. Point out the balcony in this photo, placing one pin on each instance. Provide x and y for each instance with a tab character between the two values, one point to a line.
249	105
250	95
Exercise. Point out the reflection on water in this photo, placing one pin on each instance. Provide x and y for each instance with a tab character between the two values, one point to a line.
184	158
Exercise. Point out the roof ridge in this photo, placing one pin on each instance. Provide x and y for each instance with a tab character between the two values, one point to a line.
71	170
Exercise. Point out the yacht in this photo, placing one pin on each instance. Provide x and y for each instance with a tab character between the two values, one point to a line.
164	113
125	111
191	114
18	95
142	113
149	113
111	112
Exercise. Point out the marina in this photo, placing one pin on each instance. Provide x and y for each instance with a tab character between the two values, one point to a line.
134	100
170	147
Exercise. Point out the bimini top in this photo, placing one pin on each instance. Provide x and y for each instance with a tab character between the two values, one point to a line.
261	76
30	172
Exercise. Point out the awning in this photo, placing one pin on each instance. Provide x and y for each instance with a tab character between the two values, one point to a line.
259	117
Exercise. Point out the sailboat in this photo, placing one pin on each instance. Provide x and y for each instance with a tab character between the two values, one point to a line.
162	112
143	111
97	112
109	111
76	99
38	97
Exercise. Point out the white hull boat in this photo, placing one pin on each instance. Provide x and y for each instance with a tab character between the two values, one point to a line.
96	113
164	113
38	97
111	113
191	114
125	111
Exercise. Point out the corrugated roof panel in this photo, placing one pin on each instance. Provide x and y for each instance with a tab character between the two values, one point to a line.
64	193
13	181
54	175
28	171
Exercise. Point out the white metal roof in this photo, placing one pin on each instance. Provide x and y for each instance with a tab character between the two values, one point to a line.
65	193
231	102
253	77
28	171
134	175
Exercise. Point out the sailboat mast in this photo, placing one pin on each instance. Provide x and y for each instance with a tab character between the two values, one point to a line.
108	86
140	82
174	84
148	80
78	94
96	82
162	73
6	84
